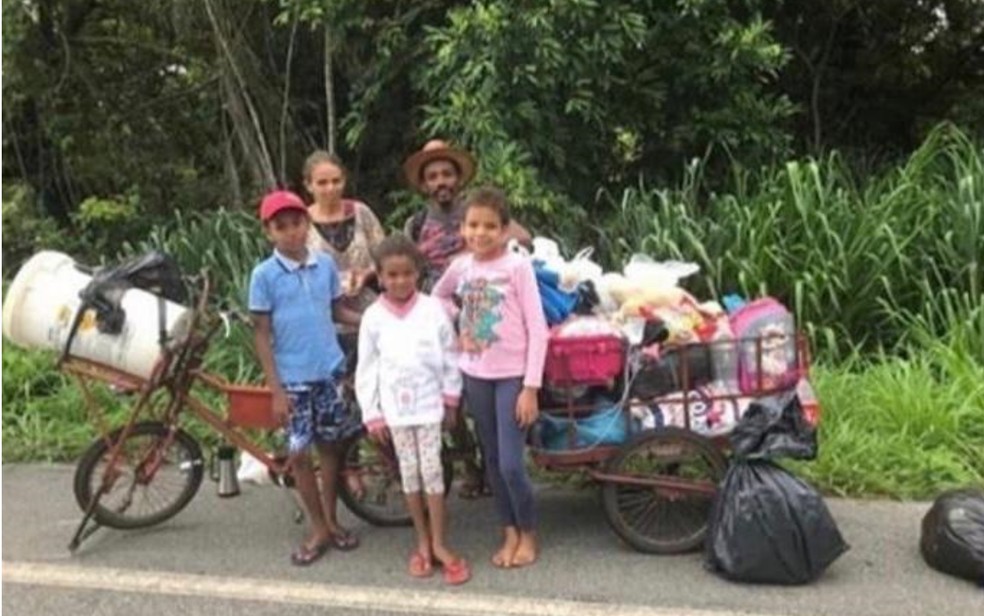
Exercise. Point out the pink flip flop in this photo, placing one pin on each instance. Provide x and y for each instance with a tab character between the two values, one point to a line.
457	572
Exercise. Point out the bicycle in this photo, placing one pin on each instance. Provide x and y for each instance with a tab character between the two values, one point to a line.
147	470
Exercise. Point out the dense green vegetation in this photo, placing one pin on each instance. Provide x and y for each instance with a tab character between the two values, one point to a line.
117	114
830	154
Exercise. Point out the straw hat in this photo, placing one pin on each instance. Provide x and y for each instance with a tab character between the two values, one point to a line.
437	149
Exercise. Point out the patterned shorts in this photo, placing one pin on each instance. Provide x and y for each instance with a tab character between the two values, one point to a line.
318	415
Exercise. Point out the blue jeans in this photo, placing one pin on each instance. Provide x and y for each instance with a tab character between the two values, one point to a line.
492	404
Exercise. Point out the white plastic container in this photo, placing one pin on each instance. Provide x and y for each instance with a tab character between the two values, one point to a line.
41	303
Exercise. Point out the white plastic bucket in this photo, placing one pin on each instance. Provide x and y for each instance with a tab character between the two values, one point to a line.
40	307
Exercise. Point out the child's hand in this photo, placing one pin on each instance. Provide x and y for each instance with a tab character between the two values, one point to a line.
450	417
527	407
379	433
353	283
467	343
281	406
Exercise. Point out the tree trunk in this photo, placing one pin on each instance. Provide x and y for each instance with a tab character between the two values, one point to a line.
329	92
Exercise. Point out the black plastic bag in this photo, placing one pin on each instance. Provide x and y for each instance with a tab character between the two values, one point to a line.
953	534
155	272
768	526
774	427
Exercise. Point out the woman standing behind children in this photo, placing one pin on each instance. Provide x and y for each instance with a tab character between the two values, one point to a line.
346	229
503	339
407	382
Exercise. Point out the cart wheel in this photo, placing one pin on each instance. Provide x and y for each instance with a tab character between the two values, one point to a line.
154	476
663	519
369	482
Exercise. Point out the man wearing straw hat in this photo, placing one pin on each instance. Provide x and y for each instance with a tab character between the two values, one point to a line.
440	171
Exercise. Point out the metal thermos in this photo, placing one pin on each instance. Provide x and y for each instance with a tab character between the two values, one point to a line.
228	483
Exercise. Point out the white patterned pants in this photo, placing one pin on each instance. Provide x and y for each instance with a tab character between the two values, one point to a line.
418	448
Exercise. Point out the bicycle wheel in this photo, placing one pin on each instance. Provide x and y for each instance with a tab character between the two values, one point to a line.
663	519
369	482
154	476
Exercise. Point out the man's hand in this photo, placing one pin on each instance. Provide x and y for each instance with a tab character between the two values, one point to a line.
527	407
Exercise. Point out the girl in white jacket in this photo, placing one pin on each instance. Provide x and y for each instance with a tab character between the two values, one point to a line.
407	383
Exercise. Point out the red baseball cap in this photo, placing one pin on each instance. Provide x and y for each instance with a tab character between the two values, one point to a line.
278	201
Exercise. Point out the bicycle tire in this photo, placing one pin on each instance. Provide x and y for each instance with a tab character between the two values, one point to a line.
363	458
183	455
659	520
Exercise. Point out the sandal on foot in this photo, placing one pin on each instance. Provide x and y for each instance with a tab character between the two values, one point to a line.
419	566
304	555
343	540
456	573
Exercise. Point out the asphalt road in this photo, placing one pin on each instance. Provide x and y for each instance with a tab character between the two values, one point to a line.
220	555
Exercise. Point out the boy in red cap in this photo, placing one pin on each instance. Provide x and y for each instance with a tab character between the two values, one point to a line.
293	300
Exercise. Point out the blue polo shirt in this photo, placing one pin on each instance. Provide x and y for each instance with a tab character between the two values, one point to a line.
298	297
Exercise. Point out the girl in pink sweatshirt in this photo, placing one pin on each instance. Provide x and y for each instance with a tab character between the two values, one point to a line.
503	345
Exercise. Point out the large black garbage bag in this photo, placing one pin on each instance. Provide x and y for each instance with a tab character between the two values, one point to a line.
953	534
767	526
775	427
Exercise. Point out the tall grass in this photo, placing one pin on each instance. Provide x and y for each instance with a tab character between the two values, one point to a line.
856	260
900	427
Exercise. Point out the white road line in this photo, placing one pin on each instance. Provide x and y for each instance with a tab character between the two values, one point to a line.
402	600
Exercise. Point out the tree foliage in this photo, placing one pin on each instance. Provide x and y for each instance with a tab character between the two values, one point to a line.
875	75
600	92
191	104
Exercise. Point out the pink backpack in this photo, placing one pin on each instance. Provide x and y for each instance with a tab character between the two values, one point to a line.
766	338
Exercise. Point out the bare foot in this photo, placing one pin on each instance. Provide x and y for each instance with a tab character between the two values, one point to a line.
424	549
504	556
526	550
316	540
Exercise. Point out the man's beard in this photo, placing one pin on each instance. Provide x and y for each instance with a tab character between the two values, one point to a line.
443	197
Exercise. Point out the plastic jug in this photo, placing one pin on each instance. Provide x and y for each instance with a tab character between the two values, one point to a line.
40	307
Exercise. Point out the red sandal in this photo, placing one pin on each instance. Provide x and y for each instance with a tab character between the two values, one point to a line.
457	572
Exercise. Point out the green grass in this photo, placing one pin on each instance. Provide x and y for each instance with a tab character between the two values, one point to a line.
903	428
44	414
45	417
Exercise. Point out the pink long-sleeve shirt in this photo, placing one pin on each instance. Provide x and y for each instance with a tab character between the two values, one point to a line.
502	329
